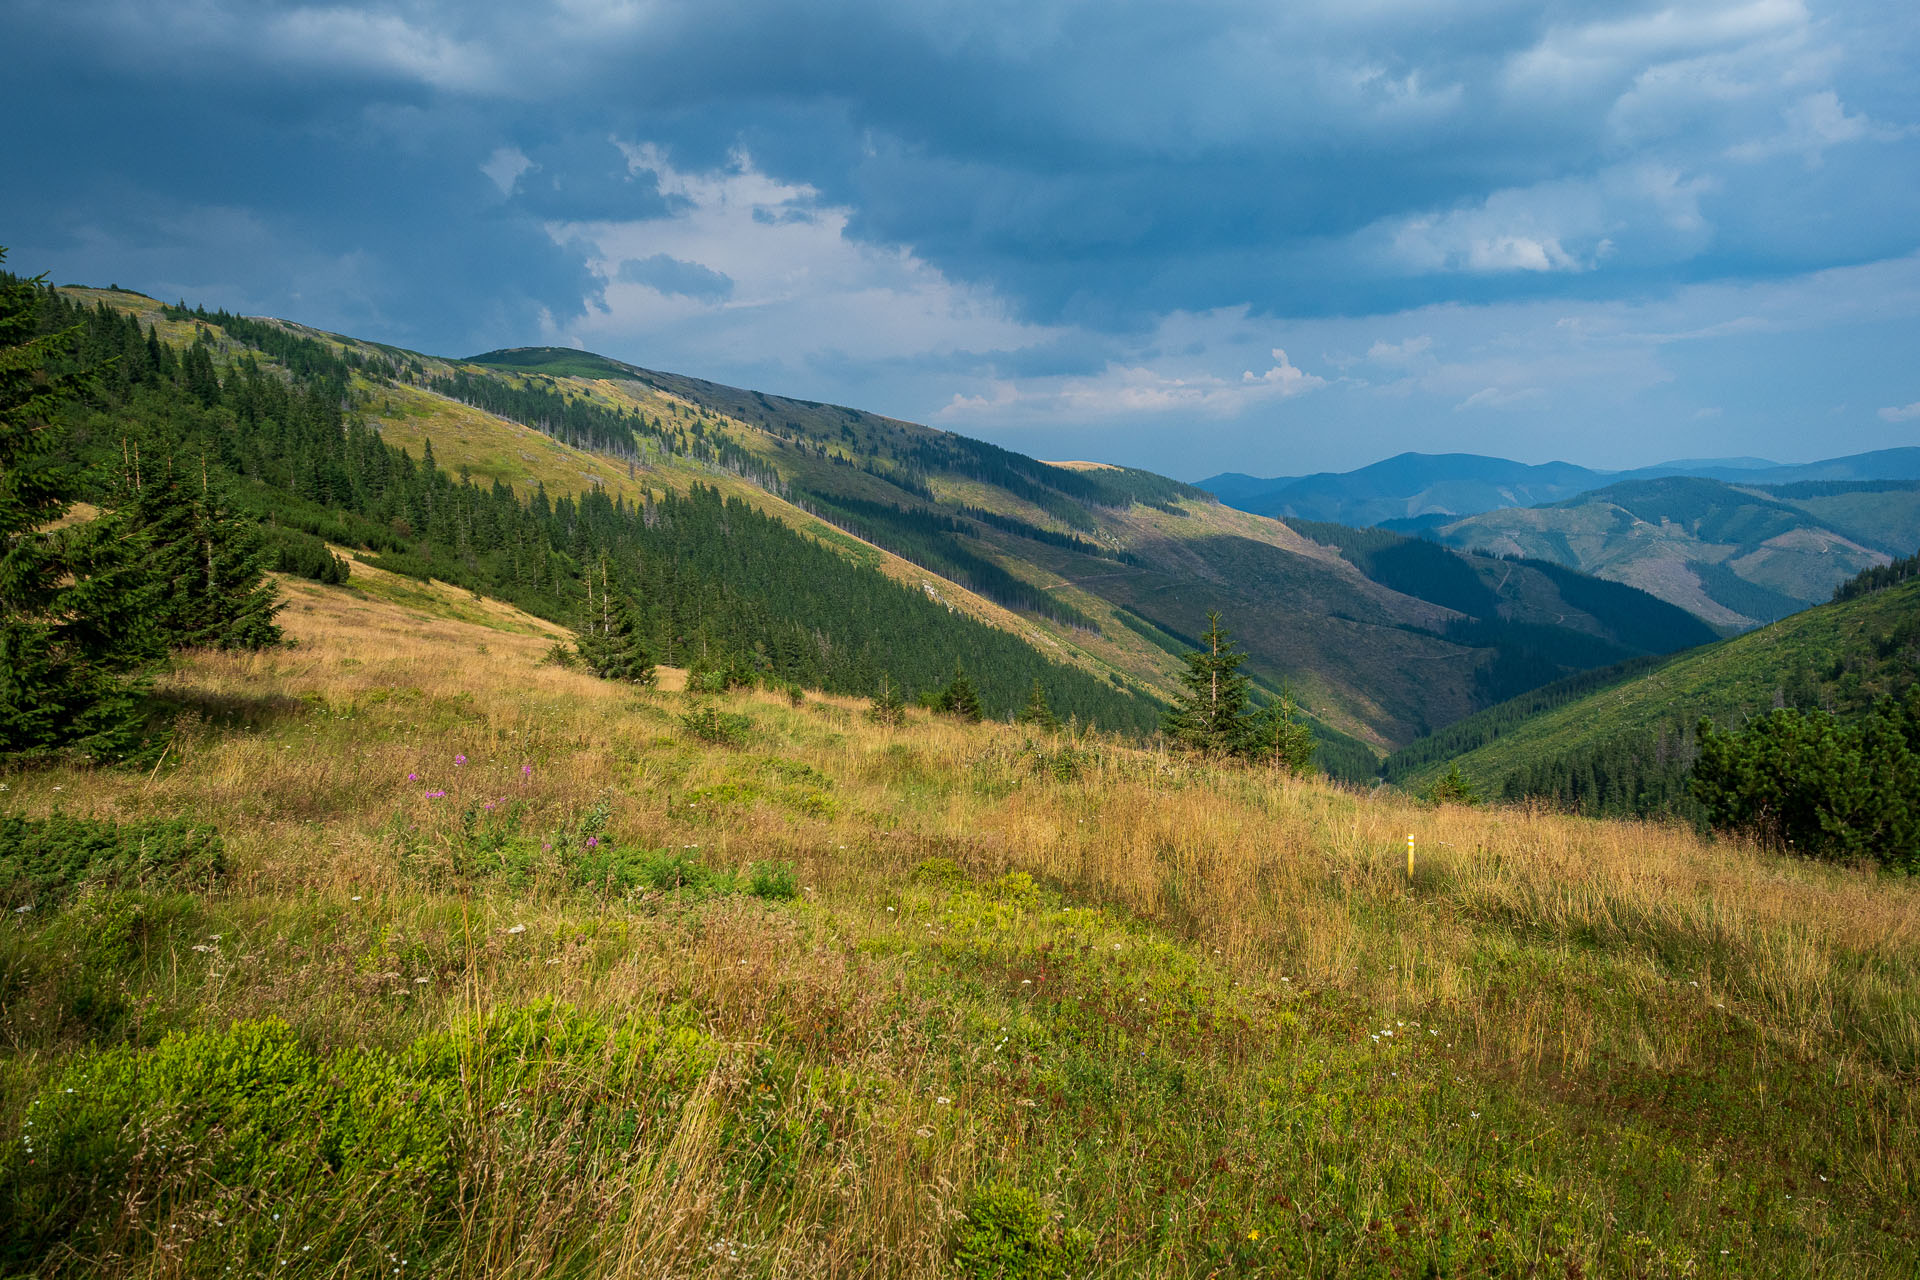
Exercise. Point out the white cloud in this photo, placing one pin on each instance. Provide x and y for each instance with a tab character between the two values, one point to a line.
1571	59
1503	398
801	288
1400	353
1283	377
1640	211
1812	125
1131	390
1901	413
505	166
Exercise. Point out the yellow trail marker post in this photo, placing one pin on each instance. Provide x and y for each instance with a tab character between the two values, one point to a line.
1409	859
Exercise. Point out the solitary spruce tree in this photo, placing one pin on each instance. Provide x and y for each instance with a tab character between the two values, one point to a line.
609	643
960	699
1211	716
887	709
1038	712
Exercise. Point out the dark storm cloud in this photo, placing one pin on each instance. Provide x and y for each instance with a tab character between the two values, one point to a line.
461	175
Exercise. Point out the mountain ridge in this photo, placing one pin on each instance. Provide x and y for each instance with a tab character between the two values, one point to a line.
1410	485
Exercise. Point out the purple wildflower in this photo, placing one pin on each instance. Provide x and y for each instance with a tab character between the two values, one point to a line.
526	770
459	759
436	795
593	842
413	777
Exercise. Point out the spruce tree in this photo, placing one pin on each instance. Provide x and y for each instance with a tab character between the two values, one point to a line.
887	709
1452	787
208	561
74	635
1279	738
609	641
960	699
1211	716
1038	712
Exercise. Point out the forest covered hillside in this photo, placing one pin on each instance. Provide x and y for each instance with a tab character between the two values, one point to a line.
1623	741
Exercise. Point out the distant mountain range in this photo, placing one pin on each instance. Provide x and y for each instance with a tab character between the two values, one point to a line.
1735	555
1418	487
1735	541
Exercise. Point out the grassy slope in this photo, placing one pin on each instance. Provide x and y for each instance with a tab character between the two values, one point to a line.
1215	1031
1734	677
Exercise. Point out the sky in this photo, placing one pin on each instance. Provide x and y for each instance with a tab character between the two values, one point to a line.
1191	235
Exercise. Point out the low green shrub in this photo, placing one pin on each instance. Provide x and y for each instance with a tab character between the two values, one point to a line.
720	728
1005	1235
611	869
46	862
943	872
122	1139
257	1138
774	881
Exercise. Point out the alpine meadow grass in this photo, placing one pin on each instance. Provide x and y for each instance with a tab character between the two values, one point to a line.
508	970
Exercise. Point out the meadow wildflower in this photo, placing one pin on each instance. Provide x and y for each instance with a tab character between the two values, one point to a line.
460	759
